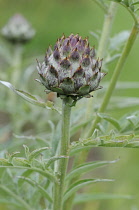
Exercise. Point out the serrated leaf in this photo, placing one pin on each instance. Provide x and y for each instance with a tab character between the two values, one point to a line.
79	184
129	141
83	198
38	186
5	162
36	152
20	162
30	98
86	167
110	119
13	155
38	164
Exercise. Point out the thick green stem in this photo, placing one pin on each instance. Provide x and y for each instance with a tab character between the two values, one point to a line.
15	72
115	75
16	64
105	34
109	16
62	167
103	43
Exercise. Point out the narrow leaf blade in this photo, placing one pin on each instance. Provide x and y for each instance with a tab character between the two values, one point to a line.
39	187
113	121
83	198
81	169
79	184
30	98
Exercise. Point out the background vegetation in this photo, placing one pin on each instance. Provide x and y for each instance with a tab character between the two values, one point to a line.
50	19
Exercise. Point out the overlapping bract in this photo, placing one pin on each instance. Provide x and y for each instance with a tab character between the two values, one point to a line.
71	68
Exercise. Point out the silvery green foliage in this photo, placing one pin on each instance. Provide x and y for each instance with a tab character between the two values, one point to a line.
71	68
18	30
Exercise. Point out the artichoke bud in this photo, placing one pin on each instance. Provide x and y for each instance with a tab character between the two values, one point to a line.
71	69
18	30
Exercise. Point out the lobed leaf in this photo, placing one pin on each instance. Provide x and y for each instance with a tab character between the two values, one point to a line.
129	141
36	152
5	162
20	162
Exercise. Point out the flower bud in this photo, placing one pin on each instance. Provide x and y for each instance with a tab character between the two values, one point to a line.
18	30
71	69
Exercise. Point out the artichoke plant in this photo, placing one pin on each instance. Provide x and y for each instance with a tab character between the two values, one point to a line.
71	68
18	30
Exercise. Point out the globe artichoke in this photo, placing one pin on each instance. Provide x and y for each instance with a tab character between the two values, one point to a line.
18	30
71	68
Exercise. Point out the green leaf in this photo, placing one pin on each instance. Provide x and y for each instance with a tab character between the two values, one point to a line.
11	156
24	174
39	187
26	148
86	167
17	198
45	173
36	152
53	159
133	119
113	121
30	98
126	2
135	3
83	198
34	138
20	162
5	162
129	141
38	164
79	184
118	40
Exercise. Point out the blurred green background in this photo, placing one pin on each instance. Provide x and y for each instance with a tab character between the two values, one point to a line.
53	18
